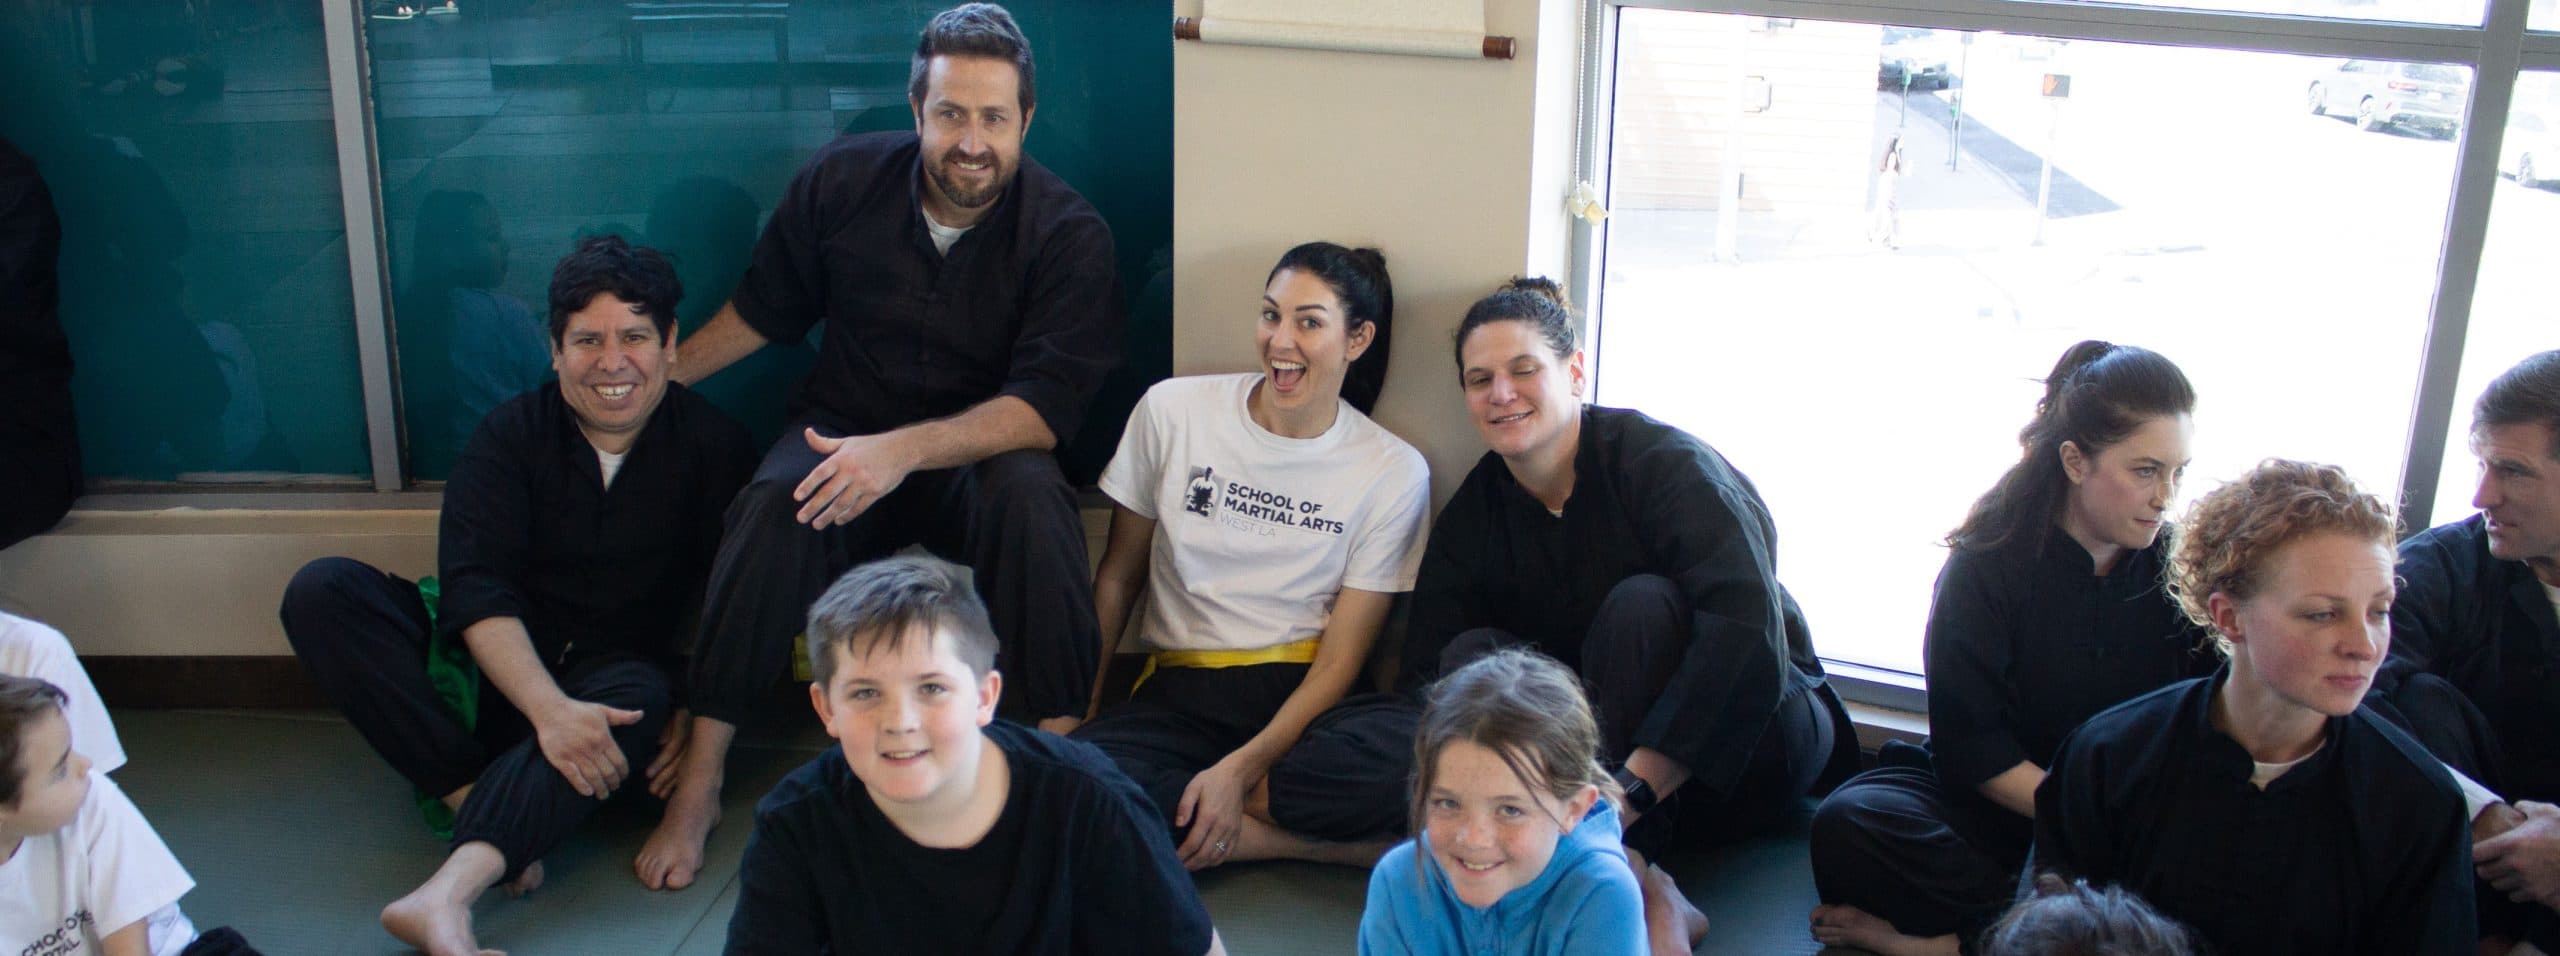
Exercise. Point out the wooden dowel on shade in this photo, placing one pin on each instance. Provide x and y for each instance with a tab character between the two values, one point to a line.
1495	48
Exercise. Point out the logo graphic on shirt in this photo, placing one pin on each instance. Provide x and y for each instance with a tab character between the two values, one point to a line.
1200	496
1246	508
64	938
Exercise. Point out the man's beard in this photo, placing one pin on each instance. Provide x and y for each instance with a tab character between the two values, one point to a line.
967	198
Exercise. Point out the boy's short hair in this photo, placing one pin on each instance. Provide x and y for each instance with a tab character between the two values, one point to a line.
22	701
876	606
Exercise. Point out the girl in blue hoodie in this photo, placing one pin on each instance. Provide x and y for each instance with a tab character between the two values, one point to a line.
1516	845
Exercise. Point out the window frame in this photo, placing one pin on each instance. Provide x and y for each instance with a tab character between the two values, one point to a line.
2497	51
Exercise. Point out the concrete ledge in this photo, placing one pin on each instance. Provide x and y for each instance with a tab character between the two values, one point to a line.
189	582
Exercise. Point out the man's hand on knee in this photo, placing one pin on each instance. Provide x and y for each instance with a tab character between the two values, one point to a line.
577	738
2524	862
857	473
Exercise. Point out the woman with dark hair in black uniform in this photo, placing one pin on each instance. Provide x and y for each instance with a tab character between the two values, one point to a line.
1630	551
2050	609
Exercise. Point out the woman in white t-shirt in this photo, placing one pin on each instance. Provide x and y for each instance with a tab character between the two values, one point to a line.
1269	524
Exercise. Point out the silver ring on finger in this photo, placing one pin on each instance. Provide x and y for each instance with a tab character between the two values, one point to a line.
1220	846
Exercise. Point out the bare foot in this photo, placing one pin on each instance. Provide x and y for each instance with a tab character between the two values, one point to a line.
1672	925
424	919
673	855
527	881
1837	924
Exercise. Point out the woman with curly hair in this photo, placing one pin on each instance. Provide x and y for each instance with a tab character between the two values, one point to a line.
2266	806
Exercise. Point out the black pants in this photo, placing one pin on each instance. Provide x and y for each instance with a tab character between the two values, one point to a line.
363	636
1011	518
1635	643
1893	843
1343	781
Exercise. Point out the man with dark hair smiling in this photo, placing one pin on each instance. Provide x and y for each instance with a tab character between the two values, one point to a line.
970	308
577	529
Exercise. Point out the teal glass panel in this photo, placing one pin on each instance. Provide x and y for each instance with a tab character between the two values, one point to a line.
189	153
511	129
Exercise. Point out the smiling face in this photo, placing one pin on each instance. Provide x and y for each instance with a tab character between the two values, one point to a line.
52	779
2319	625
613	369
908	718
1307	348
2119	496
1523	396
1490	831
969	125
2520	493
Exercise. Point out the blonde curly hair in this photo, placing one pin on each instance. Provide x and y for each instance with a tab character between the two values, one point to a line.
2224	541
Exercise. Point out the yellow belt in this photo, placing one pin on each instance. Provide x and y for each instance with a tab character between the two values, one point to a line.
1298	652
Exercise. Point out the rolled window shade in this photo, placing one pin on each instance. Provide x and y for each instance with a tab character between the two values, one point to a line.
1453	28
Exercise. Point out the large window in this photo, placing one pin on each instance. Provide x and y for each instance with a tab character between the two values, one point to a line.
1845	253
2512	315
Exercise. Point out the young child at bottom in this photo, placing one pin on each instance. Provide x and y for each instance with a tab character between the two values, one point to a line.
935	828
2072	918
80	870
1516	846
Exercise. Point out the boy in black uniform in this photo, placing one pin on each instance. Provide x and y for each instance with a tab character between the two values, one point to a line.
577	530
937	828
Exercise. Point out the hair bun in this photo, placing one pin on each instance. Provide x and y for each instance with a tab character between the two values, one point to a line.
1540	286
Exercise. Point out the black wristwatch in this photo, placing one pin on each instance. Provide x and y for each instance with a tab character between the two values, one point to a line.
1640	796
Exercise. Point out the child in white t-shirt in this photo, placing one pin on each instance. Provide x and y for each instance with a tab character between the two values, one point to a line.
83	872
33	649
1269	524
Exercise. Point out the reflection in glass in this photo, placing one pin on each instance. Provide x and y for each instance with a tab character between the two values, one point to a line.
679	130
203	288
1871	378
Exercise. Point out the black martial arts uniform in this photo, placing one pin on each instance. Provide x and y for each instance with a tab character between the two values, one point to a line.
1076	863
2025	641
605	580
1659	585
2473	638
1025	304
2362	848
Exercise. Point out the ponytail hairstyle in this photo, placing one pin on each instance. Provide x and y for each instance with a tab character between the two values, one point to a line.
1521	705
2096	396
1537	300
1358	277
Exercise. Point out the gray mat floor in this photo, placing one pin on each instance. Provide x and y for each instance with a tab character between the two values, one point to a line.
297	835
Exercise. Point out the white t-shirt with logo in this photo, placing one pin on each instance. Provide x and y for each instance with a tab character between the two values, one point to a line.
1256	534
32	649
63	892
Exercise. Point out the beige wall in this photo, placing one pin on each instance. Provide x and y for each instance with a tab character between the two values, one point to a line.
1449	166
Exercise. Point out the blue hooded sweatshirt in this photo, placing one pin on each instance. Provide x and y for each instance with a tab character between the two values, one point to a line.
1585	903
